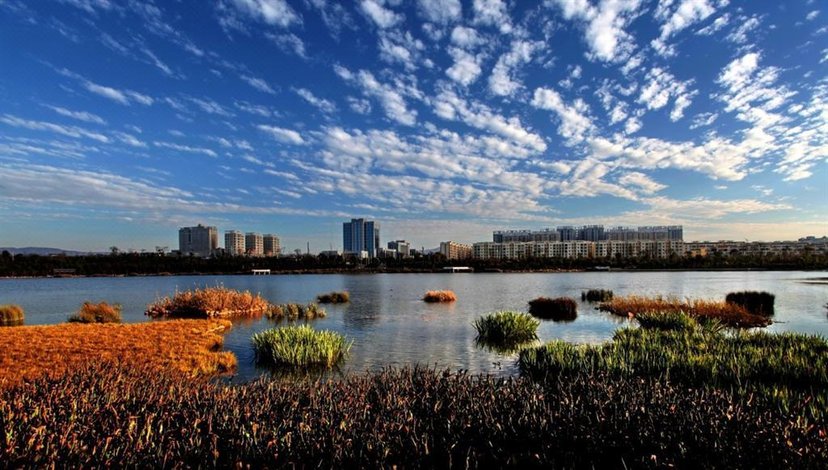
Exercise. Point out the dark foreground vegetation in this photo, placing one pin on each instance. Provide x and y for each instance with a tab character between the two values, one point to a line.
126	264
104	416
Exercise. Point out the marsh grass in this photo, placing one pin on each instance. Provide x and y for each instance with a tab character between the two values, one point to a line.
334	298
293	311
558	309
435	296
506	330
597	295
101	312
210	302
190	347
677	347
758	303
11	315
731	315
300	346
98	416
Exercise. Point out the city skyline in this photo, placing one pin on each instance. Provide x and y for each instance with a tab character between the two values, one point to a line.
443	120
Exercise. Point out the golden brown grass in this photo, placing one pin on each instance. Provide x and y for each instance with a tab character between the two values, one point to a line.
729	314
11	314
97	313
439	296
211	302
191	347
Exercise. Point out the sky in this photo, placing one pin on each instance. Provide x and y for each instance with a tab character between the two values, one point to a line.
121	121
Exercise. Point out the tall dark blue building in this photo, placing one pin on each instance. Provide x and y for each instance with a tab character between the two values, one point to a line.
361	235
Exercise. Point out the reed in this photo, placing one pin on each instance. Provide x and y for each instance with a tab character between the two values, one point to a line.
300	346
597	295
558	309
292	311
101	312
439	296
190	347
729	314
210	302
11	314
668	320
506	328
758	303
98	416
334	298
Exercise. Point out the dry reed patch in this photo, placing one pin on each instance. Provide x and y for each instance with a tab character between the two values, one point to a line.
439	296
210	302
191	347
729	314
11	314
97	313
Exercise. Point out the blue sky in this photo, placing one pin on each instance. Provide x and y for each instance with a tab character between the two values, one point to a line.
121	121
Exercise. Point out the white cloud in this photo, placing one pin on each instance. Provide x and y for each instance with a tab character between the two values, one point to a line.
715	26
398	47
492	13
575	123
272	12
704	120
390	97
69	131
125	97
746	26
450	106
322	104
211	107
186	148
501	82
359	106
441	11
641	182
258	84
465	37
686	13
605	26
466	67
289	43
285	136
661	85
79	115
811	16
381	16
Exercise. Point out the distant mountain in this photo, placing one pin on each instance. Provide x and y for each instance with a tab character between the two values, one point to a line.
42	251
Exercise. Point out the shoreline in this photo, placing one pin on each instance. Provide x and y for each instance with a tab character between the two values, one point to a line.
368	272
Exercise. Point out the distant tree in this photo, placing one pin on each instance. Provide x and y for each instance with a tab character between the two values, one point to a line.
114	250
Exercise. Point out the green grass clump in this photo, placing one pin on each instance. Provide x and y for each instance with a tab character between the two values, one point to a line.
506	328
300	346
292	311
334	298
758	303
666	320
597	295
101	312
558	309
11	314
679	349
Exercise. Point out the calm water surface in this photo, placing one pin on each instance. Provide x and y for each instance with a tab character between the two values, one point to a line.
390	325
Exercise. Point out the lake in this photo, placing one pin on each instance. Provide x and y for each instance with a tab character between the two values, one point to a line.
391	326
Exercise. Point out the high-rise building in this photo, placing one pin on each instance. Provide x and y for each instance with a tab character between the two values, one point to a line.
198	240
272	245
234	242
453	250
402	247
254	244
360	235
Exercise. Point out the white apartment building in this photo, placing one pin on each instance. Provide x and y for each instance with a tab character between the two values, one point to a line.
234	242
254	244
